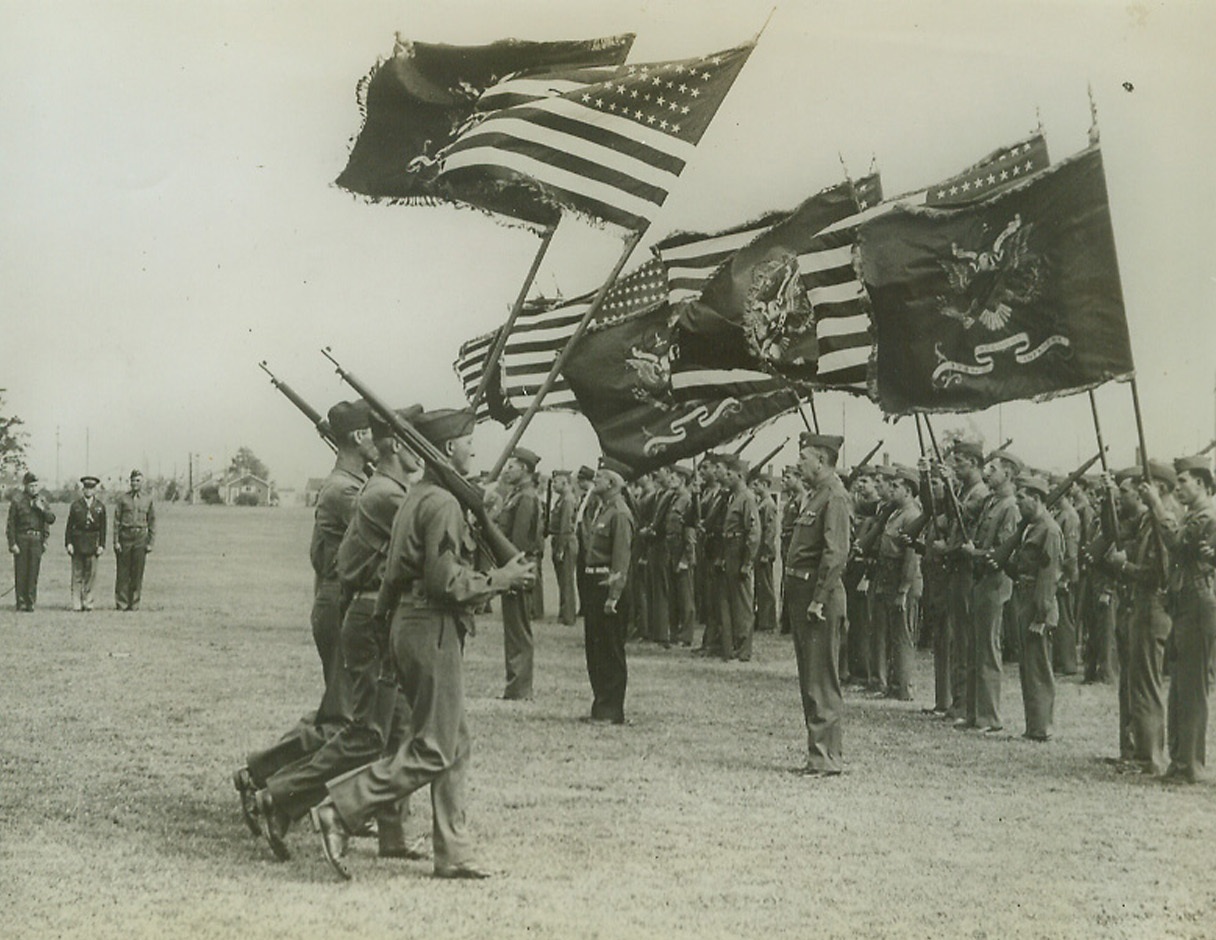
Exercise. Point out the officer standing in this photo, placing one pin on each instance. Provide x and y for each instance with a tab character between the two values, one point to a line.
134	533
605	573
819	550
84	537
520	520
29	525
427	596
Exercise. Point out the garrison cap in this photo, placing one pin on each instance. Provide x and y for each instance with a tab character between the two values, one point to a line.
619	467
381	429
29	477
829	442
1034	482
526	457
684	472
1157	469
136	473
1017	465
88	480
907	474
733	462
968	449
884	470
445	424
348	416
1199	463
586	474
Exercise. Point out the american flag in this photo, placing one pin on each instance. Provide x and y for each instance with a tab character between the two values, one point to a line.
540	334
612	149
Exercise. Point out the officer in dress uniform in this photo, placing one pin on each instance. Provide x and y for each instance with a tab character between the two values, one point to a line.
1035	567
520	520
610	536
84	537
428	594
29	525
819	550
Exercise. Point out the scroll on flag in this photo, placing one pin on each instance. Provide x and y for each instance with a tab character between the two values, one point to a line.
538	337
611	150
1013	297
417	101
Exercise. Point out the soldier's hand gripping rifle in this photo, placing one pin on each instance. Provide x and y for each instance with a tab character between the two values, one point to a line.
856	471
467	494
754	472
309	412
999	558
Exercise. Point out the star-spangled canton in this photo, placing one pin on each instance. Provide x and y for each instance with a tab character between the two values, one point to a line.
997	170
541	333
613	149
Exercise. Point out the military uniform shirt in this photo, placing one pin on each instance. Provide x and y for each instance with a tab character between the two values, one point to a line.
364	548
610	537
820	544
335	506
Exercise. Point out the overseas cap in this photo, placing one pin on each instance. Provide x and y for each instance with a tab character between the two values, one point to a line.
1199	463
526	457
908	475
29	477
381	429
89	481
733	462
1157	469
1017	465
619	467
683	471
445	424
136	473
347	416
1035	483
828	442
586	474
968	449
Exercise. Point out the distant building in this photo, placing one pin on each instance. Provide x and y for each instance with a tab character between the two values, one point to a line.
245	489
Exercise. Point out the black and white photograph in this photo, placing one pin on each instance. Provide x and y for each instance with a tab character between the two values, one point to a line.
634	469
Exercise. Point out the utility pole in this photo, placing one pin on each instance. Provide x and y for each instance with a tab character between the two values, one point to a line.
58	481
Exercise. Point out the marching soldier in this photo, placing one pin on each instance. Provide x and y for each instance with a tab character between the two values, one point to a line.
29	526
426	599
610	538
818	552
520	520
134	533
1035	567
84	537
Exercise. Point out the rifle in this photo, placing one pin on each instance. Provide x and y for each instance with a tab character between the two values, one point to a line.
497	545
1003	447
856	471
747	440
755	471
1211	447
1001	555
309	412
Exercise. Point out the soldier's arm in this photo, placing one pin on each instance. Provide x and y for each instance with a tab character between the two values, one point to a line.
445	575
151	523
751	534
618	567
835	549
101	535
1051	552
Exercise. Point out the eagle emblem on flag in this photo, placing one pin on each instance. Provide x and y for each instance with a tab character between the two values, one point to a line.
650	361
988	284
777	311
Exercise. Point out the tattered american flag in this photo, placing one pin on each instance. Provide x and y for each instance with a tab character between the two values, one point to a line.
612	149
540	334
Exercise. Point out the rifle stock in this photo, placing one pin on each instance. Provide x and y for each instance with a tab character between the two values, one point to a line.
467	494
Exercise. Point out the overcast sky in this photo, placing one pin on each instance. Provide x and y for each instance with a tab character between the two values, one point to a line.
169	217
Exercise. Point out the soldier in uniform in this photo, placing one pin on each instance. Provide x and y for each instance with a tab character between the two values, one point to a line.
134	533
564	545
610	537
680	530
740	544
1144	563
84	537
378	713
793	491
766	596
1194	553
818	552
965	463
658	568
1035	566
713	506
1064	640
427	597
29	526
935	605
895	570
519	518
993	588
638	615
350	425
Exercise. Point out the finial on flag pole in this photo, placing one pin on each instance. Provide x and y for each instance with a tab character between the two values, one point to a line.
767	19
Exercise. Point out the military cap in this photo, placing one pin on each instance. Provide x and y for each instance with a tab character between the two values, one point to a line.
444	424
89	480
884	470
733	462
968	449
1128	473
136	473
381	429
1199	463
1035	483
560	473
1158	470
828	442
907	474
1018	465
29	477
683	471
586	474
619	467
526	457
348	416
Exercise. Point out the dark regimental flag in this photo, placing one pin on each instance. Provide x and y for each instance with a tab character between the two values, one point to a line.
416	103
611	150
788	300
1013	297
625	376
538	337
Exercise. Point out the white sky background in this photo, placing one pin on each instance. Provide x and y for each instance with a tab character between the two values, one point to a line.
169	220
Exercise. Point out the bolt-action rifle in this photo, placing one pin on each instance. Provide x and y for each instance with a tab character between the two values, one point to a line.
856	471
309	412
764	461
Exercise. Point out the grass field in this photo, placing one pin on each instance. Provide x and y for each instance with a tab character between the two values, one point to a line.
118	818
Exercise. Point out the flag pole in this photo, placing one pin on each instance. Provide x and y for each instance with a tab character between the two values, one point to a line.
522	425
1111	508
810	400
500	341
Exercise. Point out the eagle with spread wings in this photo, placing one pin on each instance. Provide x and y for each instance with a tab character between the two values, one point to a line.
986	285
